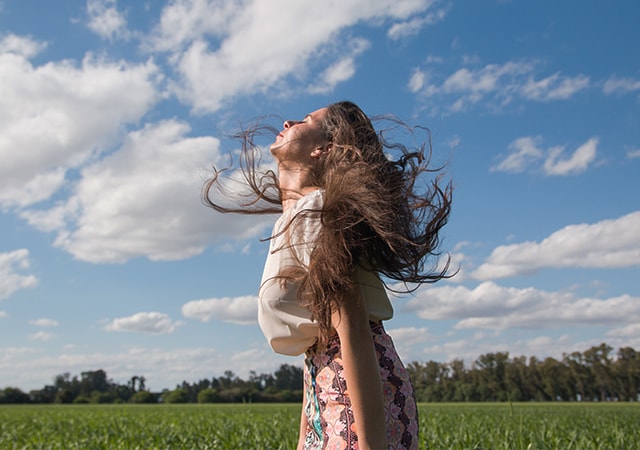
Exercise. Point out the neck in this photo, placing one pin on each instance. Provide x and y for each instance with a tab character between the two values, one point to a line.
294	183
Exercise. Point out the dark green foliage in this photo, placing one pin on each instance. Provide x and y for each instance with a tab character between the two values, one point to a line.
594	375
13	395
175	396
495	377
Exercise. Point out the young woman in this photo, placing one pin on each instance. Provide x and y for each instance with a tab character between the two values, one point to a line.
351	215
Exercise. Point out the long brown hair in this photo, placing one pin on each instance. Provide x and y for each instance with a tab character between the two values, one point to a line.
379	212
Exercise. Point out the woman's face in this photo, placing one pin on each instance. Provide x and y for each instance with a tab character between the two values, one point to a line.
298	140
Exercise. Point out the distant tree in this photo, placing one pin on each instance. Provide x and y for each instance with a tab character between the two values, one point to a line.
45	395
144	397
592	375
288	377
176	396
579	375
599	362
102	397
94	381
64	396
627	374
13	395
208	395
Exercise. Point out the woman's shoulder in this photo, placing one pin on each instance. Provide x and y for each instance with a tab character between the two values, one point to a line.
311	201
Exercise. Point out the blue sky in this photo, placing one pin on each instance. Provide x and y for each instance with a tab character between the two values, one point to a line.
112	112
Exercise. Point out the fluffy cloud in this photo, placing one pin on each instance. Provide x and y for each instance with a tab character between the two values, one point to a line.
469	349
143	200
499	84
413	26
105	20
22	46
341	70
490	306
610	243
525	153
12	264
144	322
617	85
524	150
416	81
554	87
60	115
44	323
162	368
242	310
42	336
633	154
577	163
240	47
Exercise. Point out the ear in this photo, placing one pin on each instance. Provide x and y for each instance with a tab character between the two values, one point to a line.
321	150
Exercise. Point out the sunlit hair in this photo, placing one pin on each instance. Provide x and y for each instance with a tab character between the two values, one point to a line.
383	209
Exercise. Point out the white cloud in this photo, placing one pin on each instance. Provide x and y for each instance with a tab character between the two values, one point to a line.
610	243
413	26
20	45
60	116
44	323
554	87
410	335
499	84
184	21
633	154
416	81
3	314
42	336
487	79
490	306
144	322
144	200
11	278
577	163
526	154
162	368
469	349
105	20
341	70
616	85
631	330
242	310
251	48
524	151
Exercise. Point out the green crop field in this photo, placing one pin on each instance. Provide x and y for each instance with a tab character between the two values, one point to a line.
263	426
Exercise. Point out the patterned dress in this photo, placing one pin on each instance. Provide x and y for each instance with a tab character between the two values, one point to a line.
330	422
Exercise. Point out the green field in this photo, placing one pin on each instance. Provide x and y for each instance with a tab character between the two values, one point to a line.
264	426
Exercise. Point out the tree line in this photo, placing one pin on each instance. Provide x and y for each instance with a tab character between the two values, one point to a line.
285	385
592	375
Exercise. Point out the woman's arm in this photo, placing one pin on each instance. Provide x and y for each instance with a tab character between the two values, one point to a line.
303	422
362	373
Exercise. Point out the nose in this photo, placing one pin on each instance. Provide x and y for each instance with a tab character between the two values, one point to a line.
290	123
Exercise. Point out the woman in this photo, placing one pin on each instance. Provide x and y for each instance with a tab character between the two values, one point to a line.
350	215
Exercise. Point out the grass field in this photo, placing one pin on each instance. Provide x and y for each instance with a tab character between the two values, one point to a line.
263	426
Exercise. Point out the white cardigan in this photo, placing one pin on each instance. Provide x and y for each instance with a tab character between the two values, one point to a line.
286	324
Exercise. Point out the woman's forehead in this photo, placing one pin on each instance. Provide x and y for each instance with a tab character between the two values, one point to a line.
318	114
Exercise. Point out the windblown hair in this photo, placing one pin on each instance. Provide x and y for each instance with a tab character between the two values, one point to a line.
379	212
